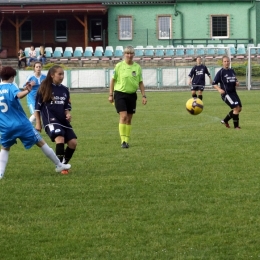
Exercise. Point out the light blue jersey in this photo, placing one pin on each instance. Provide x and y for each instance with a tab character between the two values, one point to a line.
13	120
32	95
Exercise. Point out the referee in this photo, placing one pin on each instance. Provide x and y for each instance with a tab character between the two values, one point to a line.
126	79
225	82
197	78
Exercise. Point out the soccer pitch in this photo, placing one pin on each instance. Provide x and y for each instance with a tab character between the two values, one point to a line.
187	188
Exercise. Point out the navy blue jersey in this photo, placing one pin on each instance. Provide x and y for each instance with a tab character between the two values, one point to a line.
53	111
226	78
197	74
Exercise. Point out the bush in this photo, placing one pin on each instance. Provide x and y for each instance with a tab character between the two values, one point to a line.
47	66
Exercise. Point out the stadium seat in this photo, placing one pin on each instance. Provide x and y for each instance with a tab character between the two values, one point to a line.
107	55
68	49
118	55
232	50
169	53
79	49
109	48
56	56
220	52
97	55
49	49
210	52
241	51
148	53
77	54
27	54
59	49
190	53
253	52
48	54
27	49
87	55
179	53
99	48
120	48
159	54
138	55
37	49
66	56
89	48
200	51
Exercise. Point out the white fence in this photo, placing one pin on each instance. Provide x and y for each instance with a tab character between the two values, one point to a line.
168	77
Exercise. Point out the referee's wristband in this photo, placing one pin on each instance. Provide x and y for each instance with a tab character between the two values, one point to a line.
144	96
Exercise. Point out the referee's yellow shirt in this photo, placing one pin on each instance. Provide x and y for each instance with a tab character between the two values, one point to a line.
127	77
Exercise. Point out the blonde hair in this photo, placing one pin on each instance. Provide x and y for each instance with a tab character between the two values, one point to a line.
129	49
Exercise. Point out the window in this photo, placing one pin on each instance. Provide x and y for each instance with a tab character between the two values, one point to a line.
164	30
61	31
96	30
125	27
26	31
220	26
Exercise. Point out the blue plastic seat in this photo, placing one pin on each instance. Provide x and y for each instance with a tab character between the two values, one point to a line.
56	56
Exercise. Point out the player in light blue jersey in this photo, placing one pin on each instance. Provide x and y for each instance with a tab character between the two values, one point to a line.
35	80
14	123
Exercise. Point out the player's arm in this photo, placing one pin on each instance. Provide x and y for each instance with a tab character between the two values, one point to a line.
38	124
141	87
27	89
111	91
191	75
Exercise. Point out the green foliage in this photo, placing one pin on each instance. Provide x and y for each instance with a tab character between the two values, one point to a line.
187	188
47	66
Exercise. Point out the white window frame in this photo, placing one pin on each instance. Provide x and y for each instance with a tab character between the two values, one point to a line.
228	26
163	33
61	38
125	28
29	40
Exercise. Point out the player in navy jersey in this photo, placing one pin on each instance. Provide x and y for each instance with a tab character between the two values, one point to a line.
225	82
197	78
14	123
35	80
53	104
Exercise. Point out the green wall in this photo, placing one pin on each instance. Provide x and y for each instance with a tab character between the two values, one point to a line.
192	21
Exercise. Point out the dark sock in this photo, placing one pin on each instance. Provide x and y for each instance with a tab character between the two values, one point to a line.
194	95
60	151
229	116
68	154
200	97
235	120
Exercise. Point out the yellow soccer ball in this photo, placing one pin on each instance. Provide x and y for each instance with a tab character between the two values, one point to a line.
194	106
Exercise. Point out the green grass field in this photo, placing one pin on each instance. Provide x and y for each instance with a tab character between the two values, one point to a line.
187	188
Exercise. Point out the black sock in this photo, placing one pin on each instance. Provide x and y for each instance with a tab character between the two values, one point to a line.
236	120
194	95
60	151
200	97
68	154
229	116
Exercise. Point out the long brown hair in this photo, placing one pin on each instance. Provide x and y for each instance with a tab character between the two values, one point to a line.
45	90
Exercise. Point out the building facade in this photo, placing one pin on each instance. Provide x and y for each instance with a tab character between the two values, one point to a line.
100	23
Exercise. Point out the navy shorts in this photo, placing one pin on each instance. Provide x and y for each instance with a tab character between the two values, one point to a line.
54	130
197	87
232	100
125	102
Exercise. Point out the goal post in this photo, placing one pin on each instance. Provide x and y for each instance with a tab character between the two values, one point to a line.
253	68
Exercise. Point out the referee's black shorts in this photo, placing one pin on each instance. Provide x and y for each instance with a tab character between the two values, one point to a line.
232	100
125	102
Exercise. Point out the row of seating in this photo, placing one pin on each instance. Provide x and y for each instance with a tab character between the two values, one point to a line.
147	53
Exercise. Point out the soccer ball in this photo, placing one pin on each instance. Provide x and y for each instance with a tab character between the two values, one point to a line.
194	106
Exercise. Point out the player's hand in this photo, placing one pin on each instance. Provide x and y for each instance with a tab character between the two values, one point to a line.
68	117
38	127
111	99
222	92
32	83
28	86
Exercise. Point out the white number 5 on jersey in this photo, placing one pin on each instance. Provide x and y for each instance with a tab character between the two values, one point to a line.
3	104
